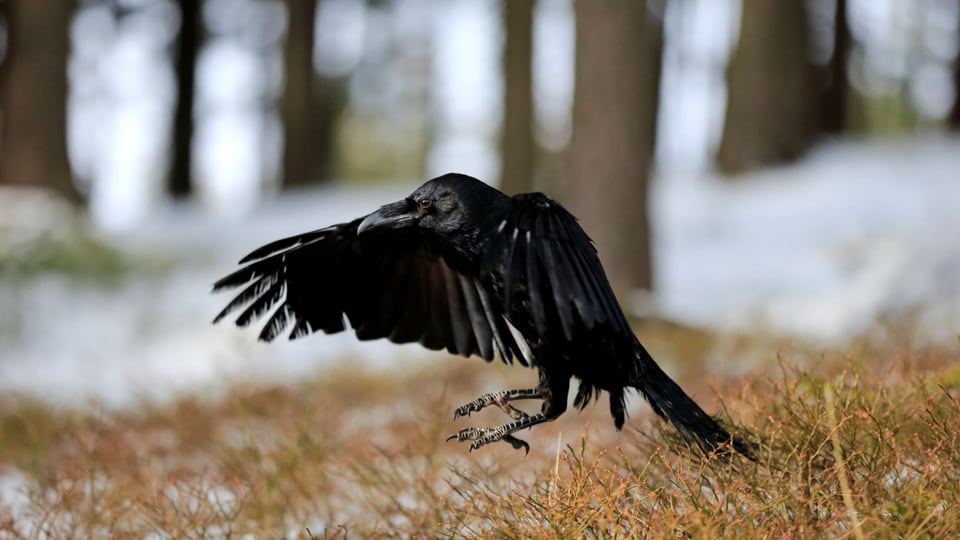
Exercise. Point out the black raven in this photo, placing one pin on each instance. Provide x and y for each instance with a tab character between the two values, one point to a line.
460	266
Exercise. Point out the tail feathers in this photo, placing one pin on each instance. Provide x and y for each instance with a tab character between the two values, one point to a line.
670	402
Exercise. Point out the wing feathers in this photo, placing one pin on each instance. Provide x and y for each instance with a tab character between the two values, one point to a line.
534	285
460	326
399	289
551	268
286	244
496	326
253	291
278	321
566	265
513	264
478	320
560	285
269	297
390	286
303	327
436	332
245	274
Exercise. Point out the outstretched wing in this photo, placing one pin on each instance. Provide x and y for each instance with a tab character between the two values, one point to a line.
549	265
385	285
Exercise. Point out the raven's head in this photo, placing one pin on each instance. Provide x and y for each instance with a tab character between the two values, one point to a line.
449	204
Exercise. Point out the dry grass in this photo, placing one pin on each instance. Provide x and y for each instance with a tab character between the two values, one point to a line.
861	444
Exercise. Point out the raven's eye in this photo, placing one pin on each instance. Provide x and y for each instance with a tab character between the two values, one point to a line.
425	204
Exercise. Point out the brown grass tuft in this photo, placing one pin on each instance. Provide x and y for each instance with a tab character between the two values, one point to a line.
856	443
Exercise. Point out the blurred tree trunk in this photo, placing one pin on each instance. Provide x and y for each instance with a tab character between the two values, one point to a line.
618	60
33	84
297	103
180	184
517	147
771	91
331	97
834	95
954	119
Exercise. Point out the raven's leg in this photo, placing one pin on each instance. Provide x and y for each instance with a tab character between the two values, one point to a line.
485	436
552	390
500	399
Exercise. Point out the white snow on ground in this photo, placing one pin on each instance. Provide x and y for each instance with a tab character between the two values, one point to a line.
819	249
13	496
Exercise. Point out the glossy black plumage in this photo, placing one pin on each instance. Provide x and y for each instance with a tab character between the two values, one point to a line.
460	266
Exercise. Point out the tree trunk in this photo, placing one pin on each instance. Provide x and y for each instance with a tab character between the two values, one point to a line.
770	88
953	120
834	95
618	60
331	97
297	103
180	185
34	96
517	147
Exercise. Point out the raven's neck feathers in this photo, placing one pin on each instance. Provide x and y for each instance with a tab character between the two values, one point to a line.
484	210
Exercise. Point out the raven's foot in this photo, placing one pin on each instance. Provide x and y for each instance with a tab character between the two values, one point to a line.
500	399
484	436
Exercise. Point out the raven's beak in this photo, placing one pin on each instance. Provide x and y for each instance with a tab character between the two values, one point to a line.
391	216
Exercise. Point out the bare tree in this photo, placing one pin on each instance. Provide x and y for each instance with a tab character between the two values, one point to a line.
770	87
189	42
34	96
517	146
836	88
297	103
618	60
954	118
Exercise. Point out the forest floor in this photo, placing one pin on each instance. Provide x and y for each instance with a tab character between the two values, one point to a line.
861	440
813	307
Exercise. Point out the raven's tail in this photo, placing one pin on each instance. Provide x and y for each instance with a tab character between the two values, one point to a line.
670	402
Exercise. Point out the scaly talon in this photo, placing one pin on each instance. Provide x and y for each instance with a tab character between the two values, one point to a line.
469	434
500	399
484	436
521	420
517	443
465	410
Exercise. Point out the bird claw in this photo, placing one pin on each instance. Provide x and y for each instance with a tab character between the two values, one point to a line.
517	443
500	399
469	434
466	410
484	436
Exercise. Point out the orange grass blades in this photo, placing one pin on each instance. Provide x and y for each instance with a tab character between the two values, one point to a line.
279	461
